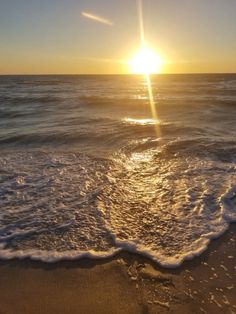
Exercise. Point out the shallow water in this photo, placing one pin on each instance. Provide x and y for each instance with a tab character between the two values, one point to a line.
85	170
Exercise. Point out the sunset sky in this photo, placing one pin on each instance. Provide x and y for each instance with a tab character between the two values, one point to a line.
52	36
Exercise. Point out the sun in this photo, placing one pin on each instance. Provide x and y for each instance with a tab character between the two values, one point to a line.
145	61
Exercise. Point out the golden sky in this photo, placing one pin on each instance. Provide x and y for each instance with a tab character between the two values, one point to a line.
99	37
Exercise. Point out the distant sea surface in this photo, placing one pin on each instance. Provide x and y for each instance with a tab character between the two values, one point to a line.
86	170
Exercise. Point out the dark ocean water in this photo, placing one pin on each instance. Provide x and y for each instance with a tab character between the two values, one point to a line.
84	171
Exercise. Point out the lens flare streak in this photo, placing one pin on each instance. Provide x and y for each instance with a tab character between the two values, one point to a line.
147	76
152	105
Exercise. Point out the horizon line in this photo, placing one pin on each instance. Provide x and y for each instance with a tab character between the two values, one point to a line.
115	74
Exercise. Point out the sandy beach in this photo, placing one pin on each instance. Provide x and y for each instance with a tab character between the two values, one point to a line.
127	283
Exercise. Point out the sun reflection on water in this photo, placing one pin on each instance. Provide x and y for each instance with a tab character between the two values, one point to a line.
142	156
142	121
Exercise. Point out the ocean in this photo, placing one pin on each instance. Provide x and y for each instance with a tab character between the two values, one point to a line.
87	171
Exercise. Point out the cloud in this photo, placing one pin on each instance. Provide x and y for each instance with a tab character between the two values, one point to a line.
96	18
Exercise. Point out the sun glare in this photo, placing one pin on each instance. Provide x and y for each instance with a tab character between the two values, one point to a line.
145	61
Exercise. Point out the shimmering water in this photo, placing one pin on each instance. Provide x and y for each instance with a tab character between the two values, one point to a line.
84	173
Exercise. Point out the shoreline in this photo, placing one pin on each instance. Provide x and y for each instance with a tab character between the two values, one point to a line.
125	283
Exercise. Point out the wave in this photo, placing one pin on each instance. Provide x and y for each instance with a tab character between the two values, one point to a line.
29	99
68	205
78	130
202	147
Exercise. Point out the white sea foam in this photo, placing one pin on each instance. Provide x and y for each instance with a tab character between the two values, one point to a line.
58	206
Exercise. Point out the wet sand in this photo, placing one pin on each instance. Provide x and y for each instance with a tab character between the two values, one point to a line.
128	283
